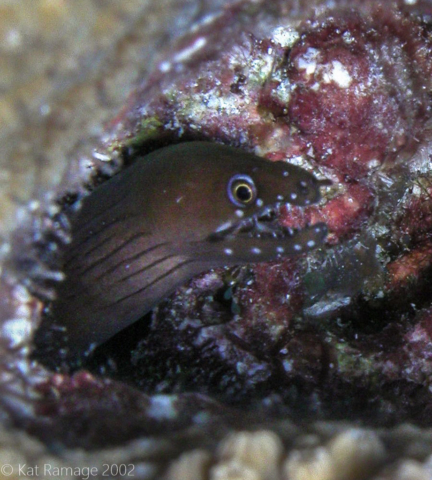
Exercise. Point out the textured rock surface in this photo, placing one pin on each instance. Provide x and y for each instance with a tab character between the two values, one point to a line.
343	334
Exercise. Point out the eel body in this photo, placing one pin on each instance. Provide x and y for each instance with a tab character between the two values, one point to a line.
173	214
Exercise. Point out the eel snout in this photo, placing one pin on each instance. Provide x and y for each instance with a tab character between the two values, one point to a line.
263	237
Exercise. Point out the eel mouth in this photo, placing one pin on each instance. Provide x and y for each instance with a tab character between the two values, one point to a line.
264	224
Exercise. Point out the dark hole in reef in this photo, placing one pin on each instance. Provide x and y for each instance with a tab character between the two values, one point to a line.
236	87
383	313
115	358
129	357
125	357
138	356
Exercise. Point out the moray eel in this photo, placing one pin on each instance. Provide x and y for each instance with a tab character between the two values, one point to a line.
173	214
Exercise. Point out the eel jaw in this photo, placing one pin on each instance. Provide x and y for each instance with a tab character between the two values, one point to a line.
263	224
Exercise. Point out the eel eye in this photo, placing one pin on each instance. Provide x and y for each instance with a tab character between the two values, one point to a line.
241	190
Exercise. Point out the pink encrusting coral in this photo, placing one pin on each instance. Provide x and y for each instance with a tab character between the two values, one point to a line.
344	92
349	101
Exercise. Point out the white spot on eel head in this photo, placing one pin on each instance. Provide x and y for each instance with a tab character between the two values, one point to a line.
256	250
239	213
259	202
285	174
297	247
311	243
223	226
165	67
228	251
280	198
293	195
280	249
